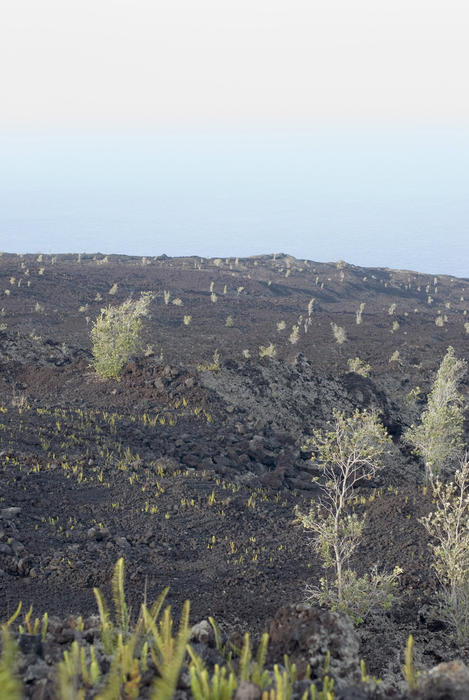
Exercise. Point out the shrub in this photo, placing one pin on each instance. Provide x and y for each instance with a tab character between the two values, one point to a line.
448	524
346	454
294	335
438	438
115	335
340	334
359	313
267	351
358	366
361	595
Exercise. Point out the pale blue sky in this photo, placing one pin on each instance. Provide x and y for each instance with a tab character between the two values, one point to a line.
323	128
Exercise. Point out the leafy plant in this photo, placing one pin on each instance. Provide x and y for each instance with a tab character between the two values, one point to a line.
115	335
339	333
10	685
267	350
358	366
410	673
167	652
74	672
448	525
438	438
347	454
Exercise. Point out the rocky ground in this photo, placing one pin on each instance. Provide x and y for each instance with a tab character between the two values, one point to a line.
192	474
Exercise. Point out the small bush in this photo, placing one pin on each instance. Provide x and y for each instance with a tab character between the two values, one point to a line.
115	335
340	334
347	454
358	366
448	525
438	438
267	351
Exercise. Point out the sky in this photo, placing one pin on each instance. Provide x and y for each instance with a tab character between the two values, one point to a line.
328	129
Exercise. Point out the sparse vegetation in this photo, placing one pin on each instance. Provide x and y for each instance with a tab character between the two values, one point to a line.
194	476
152	644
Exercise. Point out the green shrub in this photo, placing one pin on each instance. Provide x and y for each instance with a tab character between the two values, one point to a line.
346	454
448	525
115	335
438	438
358	366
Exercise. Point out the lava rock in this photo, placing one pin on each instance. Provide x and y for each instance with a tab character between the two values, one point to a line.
308	634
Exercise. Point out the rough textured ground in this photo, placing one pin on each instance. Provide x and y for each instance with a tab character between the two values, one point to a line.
193	474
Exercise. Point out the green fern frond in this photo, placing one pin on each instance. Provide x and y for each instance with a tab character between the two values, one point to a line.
258	674
107	631
123	679
118	596
10	685
112	691
69	672
45	624
409	670
218	687
216	631
15	615
165	686
158	604
245	659
95	671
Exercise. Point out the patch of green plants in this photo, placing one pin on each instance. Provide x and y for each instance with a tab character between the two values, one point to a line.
153	644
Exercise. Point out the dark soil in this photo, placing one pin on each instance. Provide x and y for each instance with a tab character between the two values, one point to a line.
192	474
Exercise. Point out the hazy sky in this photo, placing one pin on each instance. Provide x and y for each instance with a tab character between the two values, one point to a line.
324	128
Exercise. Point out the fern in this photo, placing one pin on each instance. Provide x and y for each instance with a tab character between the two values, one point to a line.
158	604
409	670
170	651
216	631
245	660
107	630
10	685
258	674
69	674
118	596
283	686
124	675
220	686
15	615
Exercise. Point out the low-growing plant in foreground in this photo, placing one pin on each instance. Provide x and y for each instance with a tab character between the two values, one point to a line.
115	667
